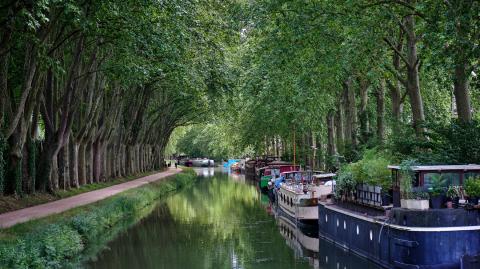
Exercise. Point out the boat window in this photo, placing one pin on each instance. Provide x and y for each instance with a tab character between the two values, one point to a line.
450	179
471	175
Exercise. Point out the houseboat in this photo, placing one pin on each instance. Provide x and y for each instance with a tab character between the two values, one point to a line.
202	162
400	235
273	170
299	195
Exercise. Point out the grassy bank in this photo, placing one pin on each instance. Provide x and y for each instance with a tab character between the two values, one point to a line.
55	241
11	203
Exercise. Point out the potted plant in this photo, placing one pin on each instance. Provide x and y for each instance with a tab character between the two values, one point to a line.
472	188
405	192
453	196
420	200
437	190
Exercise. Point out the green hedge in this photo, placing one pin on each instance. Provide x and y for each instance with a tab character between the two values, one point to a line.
64	238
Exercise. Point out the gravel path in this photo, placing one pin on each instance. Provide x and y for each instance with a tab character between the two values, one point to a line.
39	211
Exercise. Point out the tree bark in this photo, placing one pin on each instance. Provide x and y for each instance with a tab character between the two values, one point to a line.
363	113
74	160
413	80
380	95
351	113
97	161
462	93
82	163
331	151
54	173
90	151
66	164
339	129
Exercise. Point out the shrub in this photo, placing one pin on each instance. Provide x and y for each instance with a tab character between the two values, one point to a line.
472	187
372	169
345	184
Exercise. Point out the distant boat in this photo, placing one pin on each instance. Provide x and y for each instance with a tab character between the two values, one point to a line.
274	170
202	162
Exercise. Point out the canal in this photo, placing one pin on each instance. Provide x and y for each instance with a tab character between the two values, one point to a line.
222	221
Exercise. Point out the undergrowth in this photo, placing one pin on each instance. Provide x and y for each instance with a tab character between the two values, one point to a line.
56	241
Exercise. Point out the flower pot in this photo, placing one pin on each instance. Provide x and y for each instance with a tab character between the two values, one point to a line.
449	204
419	204
437	202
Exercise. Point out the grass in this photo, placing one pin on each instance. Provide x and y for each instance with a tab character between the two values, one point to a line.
12	203
62	239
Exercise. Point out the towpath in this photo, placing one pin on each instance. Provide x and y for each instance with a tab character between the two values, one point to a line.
39	211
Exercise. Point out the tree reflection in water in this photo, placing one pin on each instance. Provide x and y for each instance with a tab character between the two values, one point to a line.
217	223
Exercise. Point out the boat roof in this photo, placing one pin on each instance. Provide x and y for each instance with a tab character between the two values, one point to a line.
464	167
293	172
328	175
279	163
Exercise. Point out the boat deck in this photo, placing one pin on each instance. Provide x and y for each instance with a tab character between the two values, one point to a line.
354	209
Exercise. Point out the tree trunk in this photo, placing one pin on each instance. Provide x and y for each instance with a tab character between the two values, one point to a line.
397	106
82	163
413	81
90	151
339	129
363	113
74	160
66	164
96	162
3	87
462	93
54	173
351	113
331	152
380	94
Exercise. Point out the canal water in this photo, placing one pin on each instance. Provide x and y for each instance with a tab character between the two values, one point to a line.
222	221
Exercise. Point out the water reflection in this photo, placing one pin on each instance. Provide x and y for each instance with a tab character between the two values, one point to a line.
217	223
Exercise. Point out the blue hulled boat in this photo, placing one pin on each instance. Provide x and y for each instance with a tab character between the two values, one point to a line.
399	236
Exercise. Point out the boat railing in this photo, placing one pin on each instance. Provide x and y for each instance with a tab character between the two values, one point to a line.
369	195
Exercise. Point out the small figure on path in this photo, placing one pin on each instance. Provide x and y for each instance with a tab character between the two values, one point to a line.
176	164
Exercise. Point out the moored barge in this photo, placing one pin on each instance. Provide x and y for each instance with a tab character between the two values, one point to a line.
397	237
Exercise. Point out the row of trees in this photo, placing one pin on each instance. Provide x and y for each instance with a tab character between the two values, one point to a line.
335	77
91	90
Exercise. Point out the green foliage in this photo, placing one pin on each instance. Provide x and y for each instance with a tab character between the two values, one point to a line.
53	245
345	184
406	177
454	192
438	185
372	169
448	143
472	187
418	194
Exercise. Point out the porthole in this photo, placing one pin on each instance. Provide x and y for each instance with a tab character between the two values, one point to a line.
326	218
326	259
344	225
338	265
338	223
371	235
358	230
